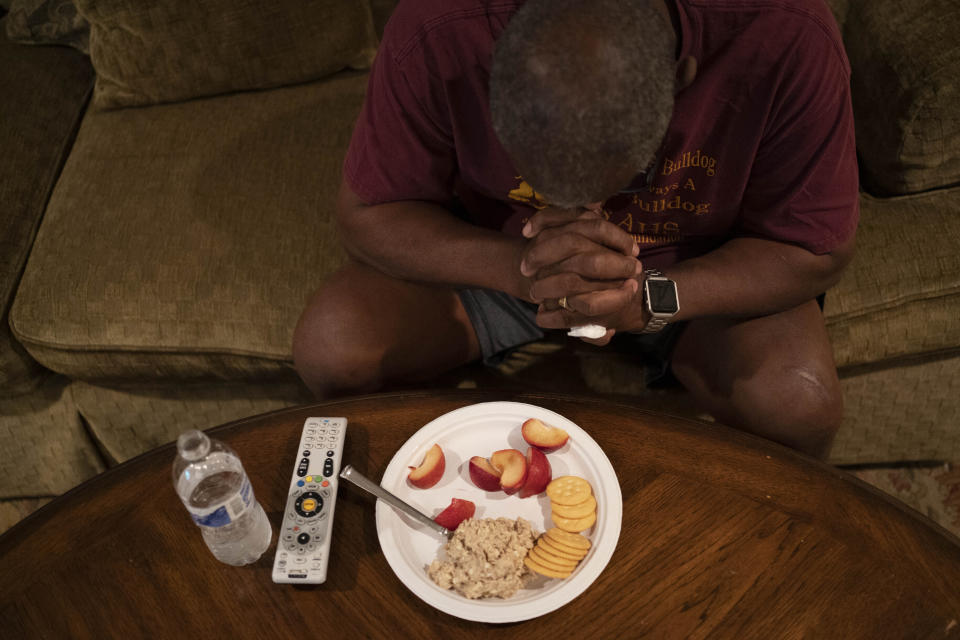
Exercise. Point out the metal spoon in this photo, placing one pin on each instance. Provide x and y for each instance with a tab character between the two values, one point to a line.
353	476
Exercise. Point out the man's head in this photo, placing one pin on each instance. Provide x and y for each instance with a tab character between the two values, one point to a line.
581	93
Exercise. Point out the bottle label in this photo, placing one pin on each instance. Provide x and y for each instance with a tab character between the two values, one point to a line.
228	511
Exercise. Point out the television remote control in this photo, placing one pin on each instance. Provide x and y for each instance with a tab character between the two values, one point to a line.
303	548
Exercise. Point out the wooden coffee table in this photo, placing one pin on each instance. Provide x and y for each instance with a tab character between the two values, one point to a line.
724	535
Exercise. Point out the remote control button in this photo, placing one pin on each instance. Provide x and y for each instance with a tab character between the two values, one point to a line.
300	483
329	454
308	504
303	538
306	453
328	467
302	467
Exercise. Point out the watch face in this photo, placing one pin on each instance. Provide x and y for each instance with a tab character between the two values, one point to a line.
662	295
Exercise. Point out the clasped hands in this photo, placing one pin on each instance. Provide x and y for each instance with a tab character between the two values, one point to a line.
580	256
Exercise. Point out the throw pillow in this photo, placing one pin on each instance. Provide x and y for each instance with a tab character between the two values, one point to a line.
47	22
906	93
153	51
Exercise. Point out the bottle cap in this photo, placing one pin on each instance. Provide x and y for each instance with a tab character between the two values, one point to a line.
193	444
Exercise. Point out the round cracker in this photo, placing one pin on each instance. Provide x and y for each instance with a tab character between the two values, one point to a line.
574	540
551	561
580	510
558	549
569	490
575	525
533	565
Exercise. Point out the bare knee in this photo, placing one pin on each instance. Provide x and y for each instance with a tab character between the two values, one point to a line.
796	406
800	407
331	352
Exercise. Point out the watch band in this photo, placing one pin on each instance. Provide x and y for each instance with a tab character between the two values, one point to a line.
654	324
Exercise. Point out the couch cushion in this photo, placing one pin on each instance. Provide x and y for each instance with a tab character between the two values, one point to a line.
45	449
148	52
906	92
183	240
900	296
44	93
906	412
131	420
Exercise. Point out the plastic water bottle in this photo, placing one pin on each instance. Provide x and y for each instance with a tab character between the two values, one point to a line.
214	488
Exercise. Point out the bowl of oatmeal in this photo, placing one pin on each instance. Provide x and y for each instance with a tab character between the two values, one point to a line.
478	574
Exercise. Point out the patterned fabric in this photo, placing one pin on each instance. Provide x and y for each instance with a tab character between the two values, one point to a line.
44	448
13	511
904	411
38	118
150	51
934	491
906	57
196	253
130	421
900	296
48	22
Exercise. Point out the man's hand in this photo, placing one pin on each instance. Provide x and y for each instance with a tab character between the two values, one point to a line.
629	317
580	256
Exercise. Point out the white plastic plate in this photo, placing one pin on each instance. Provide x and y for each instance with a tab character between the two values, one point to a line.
479	430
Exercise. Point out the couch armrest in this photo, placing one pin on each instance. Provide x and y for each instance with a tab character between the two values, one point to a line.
45	90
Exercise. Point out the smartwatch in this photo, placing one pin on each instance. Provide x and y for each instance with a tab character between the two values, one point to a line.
660	299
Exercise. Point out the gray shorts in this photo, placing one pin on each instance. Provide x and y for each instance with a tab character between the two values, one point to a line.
504	323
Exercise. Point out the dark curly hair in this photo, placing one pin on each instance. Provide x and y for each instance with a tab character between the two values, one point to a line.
582	91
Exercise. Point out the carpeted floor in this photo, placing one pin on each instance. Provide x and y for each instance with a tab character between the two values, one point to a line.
932	490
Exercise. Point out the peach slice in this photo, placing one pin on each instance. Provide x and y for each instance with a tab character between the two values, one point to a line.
542	435
430	470
458	511
512	467
483	474
539	473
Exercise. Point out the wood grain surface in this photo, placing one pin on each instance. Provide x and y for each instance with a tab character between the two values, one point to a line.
724	536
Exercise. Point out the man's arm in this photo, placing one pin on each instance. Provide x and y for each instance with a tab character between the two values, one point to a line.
423	241
746	277
749	277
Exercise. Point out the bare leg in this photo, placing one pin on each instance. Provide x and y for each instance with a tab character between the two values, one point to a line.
773	376
363	329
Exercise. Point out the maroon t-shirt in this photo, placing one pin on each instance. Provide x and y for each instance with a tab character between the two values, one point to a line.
760	145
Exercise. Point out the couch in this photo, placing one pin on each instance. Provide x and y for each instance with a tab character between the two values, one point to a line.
166	209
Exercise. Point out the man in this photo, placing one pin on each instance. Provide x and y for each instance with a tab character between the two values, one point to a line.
528	166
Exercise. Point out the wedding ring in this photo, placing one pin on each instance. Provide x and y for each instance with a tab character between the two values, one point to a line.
563	303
